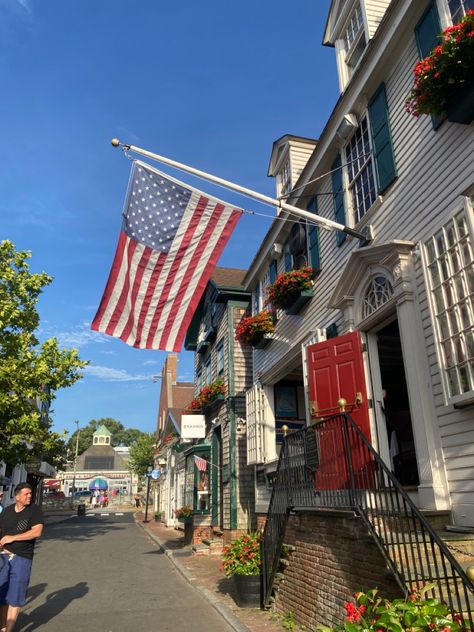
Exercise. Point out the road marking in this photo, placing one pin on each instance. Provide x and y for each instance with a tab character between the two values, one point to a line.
106	514
119	514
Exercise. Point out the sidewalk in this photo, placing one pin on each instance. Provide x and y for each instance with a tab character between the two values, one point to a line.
204	573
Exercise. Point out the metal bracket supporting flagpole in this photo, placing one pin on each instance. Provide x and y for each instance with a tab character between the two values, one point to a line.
294	210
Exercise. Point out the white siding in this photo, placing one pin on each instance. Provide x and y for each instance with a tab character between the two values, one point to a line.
374	11
434	169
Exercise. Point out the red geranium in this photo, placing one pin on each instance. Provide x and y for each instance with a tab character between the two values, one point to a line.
447	70
282	292
251	328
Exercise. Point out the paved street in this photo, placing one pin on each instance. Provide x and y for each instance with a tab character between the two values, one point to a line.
102	573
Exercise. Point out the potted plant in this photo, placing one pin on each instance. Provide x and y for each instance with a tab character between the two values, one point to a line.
242	561
443	80
157	516
253	329
184	513
291	290
371	613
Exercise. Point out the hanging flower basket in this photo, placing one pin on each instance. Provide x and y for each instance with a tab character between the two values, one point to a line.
212	392
291	289
252	329
443	80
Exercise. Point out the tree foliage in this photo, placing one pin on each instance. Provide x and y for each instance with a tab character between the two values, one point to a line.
30	372
120	434
141	453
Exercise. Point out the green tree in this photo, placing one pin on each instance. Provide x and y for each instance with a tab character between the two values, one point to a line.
141	453
30	372
120	434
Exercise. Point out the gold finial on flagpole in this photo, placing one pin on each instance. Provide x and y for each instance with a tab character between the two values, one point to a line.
115	142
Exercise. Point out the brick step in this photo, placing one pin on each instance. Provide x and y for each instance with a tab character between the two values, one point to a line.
215	545
200	549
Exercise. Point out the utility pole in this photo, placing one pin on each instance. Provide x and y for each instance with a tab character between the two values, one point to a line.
75	462
149	470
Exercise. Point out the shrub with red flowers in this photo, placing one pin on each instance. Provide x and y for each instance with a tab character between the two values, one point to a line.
371	613
242	556
440	77
194	406
288	285
251	329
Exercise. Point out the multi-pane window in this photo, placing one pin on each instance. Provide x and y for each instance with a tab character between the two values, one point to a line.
459	8
207	369
360	171
285	179
220	357
353	28
451	275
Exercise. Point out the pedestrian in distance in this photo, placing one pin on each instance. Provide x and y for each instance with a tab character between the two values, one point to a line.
21	523
1	500
137	501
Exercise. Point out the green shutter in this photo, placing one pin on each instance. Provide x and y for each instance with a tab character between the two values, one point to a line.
338	198
427	37
381	140
288	261
427	31
313	238
273	271
256	303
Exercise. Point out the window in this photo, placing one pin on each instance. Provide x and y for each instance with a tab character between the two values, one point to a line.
207	369
459	8
199	378
256	298
197	482
360	172
220	357
99	463
285	179
354	37
450	270
379	292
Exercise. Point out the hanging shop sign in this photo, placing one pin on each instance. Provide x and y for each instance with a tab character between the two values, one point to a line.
193	426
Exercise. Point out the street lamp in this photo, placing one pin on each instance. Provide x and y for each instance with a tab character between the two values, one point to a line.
75	462
149	470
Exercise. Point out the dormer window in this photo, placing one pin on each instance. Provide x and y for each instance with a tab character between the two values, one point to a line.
285	179
354	37
459	8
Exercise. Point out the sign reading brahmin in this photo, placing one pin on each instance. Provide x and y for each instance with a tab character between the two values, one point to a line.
193	426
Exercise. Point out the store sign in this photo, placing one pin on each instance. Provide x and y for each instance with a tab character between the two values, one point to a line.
193	426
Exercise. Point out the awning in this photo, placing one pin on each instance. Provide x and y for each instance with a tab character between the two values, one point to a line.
52	482
98	483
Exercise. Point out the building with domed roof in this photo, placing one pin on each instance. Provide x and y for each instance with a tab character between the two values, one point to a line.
102	461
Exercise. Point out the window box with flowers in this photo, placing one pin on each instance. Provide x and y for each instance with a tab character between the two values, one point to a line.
256	331
291	290
212	392
443	80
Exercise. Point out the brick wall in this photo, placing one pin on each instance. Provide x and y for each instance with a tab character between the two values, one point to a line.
333	558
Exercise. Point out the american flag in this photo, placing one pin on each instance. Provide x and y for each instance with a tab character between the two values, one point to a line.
201	463
171	239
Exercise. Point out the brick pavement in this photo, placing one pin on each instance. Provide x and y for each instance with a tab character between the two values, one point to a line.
206	573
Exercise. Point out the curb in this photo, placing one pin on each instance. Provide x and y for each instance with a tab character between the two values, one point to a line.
225	612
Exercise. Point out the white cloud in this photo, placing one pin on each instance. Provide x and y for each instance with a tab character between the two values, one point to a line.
150	362
115	375
78	337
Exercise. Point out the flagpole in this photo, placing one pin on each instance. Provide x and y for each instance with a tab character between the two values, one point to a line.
294	210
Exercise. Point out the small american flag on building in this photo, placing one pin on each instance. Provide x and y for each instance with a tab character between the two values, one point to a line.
201	463
171	239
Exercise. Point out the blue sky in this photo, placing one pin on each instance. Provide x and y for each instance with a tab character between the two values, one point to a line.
210	84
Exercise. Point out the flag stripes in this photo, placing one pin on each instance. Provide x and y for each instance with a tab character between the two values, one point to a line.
170	242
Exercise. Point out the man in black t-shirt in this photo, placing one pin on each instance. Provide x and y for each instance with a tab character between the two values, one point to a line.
20	525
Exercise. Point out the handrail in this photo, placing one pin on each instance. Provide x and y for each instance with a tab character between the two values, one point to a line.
332	464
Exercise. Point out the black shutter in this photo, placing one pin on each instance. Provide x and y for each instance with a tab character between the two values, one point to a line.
427	37
313	238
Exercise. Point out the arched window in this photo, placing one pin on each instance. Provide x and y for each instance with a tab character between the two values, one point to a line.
379	292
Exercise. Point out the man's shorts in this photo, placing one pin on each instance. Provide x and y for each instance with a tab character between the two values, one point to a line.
13	590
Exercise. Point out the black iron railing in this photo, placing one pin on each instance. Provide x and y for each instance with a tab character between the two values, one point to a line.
332	465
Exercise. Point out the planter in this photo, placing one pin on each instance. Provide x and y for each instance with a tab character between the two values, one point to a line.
188	530
218	398
297	301
262	340
157	517
248	590
460	109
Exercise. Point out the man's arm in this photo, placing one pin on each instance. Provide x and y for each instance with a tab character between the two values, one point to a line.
34	532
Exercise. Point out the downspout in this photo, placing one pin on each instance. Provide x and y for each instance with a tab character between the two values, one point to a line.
231	413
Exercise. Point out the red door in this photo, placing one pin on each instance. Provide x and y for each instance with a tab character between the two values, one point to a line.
335	371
